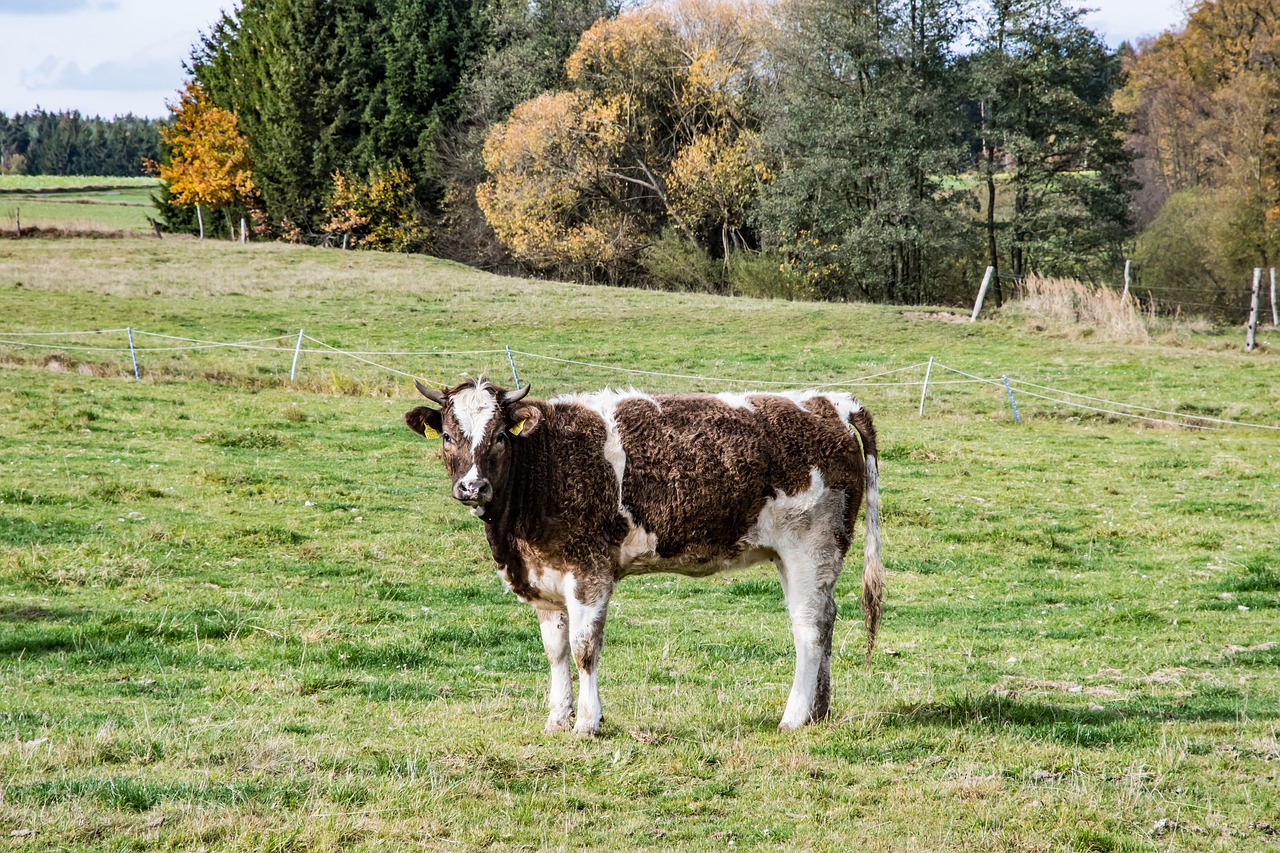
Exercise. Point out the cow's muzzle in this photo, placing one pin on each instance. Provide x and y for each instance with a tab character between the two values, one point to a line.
473	492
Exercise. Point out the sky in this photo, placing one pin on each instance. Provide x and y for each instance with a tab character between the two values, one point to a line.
111	57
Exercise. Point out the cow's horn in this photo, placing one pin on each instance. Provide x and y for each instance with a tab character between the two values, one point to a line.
431	394
517	395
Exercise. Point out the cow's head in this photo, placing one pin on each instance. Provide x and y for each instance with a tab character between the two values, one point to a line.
479	425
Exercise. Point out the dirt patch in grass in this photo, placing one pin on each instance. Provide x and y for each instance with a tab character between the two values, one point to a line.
939	316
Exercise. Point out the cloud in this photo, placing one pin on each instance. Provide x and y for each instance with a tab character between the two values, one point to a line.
55	7
137	75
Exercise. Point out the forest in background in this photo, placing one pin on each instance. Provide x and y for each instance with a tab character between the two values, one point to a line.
67	143
870	150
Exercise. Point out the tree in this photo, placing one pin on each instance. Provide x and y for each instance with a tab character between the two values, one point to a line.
1202	102
208	161
360	87
605	167
1044	84
525	45
864	119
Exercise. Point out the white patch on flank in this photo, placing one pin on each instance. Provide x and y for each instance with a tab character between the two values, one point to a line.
605	403
639	543
474	408
738	400
784	518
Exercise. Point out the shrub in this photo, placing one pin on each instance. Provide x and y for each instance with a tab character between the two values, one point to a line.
378	212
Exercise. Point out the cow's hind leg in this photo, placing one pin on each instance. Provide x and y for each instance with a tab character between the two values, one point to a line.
586	640
554	624
809	581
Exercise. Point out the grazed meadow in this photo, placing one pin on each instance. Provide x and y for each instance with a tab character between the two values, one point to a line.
242	614
77	203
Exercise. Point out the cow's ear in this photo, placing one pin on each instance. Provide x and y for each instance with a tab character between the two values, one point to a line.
524	420
424	420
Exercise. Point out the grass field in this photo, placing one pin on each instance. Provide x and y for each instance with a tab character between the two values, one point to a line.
76	203
240	614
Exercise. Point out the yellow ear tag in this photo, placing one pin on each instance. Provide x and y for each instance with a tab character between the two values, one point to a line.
518	428
428	432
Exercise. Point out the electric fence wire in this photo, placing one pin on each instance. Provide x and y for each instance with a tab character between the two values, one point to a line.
864	381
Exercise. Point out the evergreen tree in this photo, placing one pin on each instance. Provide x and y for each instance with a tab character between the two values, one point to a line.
865	119
320	87
1055	172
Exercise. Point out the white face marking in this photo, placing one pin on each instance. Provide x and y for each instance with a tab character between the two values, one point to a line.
474	408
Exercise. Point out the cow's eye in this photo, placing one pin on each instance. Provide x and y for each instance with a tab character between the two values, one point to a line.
446	438
500	440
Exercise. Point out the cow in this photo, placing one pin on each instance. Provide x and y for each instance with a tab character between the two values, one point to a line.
581	490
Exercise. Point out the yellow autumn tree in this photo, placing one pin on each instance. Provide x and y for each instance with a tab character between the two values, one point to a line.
1203	102
208	164
378	213
657	134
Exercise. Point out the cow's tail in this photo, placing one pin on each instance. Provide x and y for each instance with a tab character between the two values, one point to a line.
872	566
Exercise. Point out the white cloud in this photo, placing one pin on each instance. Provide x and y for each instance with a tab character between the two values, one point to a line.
129	75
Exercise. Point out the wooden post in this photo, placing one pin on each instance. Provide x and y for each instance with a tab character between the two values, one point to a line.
1275	320
1253	311
1125	295
244	232
200	219
982	294
18	212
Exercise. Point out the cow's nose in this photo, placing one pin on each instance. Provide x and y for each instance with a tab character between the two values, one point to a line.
473	492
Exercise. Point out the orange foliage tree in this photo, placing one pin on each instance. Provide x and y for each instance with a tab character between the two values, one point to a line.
658	133
1203	102
208	161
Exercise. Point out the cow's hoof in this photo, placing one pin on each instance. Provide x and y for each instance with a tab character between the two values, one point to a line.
556	726
787	726
587	730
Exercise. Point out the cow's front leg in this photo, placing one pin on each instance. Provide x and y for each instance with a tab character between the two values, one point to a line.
554	624
588	605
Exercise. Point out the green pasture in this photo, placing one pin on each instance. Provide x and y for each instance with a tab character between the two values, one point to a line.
243	614
76	203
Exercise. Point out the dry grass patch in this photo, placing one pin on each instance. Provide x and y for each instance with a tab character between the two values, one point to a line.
1064	305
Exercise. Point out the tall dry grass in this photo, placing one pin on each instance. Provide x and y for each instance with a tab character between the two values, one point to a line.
1068	306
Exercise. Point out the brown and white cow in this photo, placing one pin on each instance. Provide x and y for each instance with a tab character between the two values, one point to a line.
583	489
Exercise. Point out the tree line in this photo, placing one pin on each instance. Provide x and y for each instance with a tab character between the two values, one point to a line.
838	149
67	143
1205	107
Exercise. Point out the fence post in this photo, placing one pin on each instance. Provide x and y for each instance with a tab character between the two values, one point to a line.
1253	311
924	390
1275	320
200	219
982	294
17	211
511	359
133	353
1125	295
244	234
1012	402
293	371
